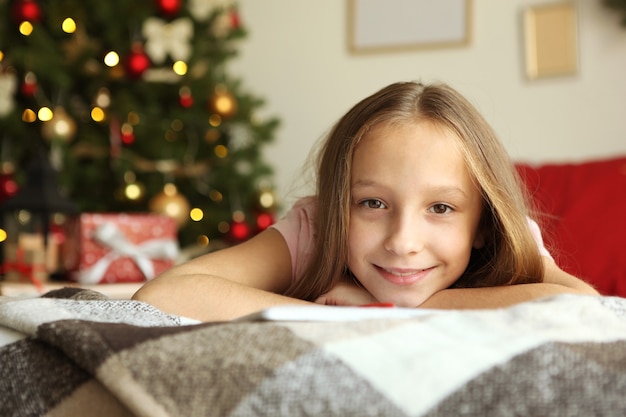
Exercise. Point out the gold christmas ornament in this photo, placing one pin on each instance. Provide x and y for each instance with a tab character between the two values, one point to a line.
223	103
29	116
60	127
212	135
171	203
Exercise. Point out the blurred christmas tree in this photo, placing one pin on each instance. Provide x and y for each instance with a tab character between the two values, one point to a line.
132	101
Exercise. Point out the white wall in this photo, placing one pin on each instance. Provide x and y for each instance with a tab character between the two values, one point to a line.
296	58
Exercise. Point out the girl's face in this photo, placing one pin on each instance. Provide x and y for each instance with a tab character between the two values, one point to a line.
414	213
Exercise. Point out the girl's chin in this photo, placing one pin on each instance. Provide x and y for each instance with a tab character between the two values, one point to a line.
402	300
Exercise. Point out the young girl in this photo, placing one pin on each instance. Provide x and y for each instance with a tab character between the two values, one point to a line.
417	204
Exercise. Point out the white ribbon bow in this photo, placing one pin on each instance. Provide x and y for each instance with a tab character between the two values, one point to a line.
163	39
110	236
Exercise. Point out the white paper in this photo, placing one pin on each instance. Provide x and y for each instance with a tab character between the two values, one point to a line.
334	313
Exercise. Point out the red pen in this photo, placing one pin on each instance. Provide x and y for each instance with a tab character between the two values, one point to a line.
378	305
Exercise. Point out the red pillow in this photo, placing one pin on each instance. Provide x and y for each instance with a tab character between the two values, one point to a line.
583	218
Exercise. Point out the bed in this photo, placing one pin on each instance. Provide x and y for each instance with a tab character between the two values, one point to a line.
75	352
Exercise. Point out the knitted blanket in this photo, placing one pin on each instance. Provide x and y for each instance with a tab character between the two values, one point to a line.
78	353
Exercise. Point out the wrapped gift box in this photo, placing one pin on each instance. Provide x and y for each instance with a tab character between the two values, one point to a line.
25	262
117	248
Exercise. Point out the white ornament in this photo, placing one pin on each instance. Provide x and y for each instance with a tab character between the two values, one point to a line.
222	25
241	136
163	39
243	168
201	9
8	85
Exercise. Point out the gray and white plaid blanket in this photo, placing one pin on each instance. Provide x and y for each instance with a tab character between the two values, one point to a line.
85	355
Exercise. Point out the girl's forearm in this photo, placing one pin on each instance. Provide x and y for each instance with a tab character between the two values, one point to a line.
207	298
496	297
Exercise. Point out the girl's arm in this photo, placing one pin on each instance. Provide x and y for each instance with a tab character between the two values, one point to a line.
556	281
225	284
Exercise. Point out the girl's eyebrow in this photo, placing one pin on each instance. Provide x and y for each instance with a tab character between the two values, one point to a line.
449	190
364	183
439	189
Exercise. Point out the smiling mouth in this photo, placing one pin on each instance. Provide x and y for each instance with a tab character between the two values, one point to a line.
402	273
403	276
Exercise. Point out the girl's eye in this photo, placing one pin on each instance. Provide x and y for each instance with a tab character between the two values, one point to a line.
441	208
373	204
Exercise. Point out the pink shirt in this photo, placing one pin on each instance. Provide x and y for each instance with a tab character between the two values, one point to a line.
297	229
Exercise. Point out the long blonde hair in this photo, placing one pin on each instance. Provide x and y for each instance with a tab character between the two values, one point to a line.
510	254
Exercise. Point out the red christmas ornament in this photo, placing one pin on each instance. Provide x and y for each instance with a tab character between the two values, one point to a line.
28	89
264	220
186	100
239	230
26	10
128	138
235	21
137	62
169	8
127	134
8	186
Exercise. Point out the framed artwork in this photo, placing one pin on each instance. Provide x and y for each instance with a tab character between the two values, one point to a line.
551	40
384	25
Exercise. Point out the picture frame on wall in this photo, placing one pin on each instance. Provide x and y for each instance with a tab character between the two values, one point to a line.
393	25
551	40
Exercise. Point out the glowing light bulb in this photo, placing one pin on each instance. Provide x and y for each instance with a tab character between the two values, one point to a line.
68	25
111	59
45	114
196	214
180	67
26	28
97	114
134	191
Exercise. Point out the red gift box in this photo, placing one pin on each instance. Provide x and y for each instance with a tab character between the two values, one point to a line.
117	248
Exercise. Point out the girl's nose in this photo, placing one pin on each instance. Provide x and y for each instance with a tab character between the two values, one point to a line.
405	236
